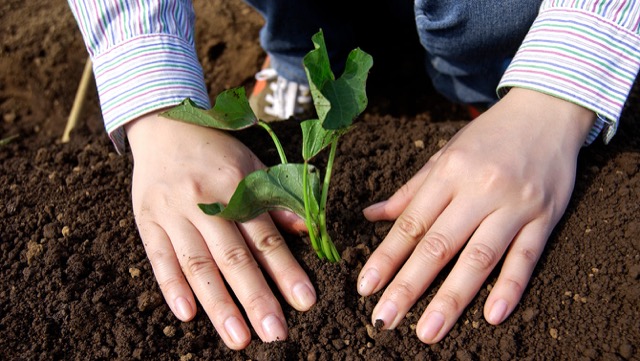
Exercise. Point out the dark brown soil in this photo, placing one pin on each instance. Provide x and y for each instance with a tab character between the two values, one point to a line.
75	282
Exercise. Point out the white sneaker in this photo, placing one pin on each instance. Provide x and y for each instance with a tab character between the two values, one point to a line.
276	98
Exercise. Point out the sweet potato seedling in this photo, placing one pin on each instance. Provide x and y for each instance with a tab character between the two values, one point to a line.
294	187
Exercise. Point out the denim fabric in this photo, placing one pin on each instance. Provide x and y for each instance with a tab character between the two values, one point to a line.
289	25
468	43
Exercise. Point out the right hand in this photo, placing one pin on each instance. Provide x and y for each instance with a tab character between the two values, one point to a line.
178	165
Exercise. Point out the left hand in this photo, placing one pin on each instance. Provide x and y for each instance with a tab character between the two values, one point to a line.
498	187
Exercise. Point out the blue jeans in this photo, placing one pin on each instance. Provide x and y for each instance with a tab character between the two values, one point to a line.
468	43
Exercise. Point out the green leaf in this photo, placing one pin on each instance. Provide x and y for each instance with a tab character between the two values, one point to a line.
230	112
277	187
315	138
338	102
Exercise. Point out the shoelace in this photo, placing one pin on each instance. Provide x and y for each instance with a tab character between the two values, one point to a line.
286	97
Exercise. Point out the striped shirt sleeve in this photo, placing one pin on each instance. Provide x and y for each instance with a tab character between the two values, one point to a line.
144	57
586	52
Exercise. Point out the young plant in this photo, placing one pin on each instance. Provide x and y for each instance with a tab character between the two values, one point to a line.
293	187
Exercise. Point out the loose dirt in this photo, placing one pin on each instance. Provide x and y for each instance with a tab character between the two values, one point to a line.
75	283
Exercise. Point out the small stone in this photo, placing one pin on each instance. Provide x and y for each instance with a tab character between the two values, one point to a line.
568	293
134	272
475	324
9	117
529	314
371	331
554	333
34	249
442	142
49	231
122	223
338	344
186	357
419	144
66	231
169	331
626	351
148	300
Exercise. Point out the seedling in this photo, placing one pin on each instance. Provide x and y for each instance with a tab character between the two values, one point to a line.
293	187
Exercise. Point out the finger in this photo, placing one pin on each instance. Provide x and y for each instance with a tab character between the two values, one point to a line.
521	260
406	232
204	277
166	269
271	251
391	208
439	245
289	221
483	251
240	270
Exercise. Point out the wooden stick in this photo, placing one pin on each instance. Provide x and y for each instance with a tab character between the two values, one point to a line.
78	102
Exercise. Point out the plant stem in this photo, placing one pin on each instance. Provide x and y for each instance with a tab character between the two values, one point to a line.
328	247
306	190
276	141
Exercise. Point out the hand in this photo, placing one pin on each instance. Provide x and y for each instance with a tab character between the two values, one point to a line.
499	186
176	166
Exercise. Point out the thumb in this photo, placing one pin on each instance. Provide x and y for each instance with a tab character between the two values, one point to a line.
289	221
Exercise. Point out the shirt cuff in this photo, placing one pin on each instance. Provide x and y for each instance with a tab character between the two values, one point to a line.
145	74
580	57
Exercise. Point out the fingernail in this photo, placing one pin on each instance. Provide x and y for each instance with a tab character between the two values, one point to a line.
235	330
368	282
304	295
498	310
432	326
273	329
375	206
387	313
183	309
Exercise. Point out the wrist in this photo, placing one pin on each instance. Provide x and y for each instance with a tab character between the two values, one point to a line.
150	127
564	119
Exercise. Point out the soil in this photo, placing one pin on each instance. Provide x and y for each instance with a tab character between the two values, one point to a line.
75	283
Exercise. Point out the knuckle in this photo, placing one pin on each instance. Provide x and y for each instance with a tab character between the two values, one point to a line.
160	258
451	161
436	247
228	177
450	300
269	243
257	301
533	194
237	257
199	265
170	283
405	191
410	226
528	255
403	290
514	286
480	257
